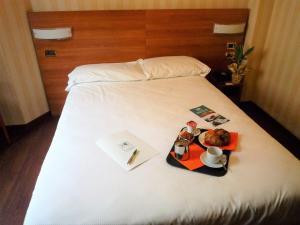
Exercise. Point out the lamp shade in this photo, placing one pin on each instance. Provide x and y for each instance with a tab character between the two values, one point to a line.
52	33
229	28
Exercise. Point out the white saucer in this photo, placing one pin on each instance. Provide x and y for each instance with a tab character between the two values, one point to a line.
209	164
201	138
196	132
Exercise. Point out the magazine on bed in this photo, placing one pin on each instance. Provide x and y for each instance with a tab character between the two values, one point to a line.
126	149
209	115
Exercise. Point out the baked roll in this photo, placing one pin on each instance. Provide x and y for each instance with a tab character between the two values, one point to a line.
217	137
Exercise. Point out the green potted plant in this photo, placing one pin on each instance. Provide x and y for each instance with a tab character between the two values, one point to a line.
238	65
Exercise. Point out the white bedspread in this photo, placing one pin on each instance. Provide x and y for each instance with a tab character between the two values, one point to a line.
79	184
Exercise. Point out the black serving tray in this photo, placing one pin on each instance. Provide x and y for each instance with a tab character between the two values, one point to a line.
204	169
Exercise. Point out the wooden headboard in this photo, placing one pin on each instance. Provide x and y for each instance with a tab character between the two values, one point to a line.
124	35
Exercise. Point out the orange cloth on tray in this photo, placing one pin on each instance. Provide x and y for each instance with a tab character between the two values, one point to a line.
233	142
194	160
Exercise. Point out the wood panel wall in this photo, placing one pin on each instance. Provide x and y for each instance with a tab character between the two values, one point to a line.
106	36
118	36
190	32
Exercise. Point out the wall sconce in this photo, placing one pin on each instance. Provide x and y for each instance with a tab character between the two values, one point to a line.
229	28
52	33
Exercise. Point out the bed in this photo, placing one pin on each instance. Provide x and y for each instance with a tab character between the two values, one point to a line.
80	184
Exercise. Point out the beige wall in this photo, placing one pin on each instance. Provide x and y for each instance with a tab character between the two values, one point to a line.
22	96
271	86
260	18
277	83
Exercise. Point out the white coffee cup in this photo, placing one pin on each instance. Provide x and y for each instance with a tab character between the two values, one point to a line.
214	154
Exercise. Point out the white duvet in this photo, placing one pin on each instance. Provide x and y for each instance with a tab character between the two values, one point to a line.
80	184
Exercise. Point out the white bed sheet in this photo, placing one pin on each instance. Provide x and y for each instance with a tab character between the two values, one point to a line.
79	184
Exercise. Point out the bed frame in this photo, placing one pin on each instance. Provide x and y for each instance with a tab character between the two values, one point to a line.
125	35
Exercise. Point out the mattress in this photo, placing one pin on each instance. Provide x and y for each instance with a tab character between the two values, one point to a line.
80	184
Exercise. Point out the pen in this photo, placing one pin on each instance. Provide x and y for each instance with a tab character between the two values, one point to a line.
132	157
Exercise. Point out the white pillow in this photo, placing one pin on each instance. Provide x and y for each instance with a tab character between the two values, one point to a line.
173	66
106	72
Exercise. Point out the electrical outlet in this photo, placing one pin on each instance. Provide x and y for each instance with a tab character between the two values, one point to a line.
230	45
50	53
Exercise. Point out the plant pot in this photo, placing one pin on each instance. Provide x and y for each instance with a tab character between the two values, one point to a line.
236	78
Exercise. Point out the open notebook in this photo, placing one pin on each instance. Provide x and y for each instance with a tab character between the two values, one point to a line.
126	149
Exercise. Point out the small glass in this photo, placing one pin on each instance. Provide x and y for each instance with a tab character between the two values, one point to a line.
186	137
191	126
181	150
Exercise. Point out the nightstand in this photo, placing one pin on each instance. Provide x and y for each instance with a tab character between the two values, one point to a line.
222	81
